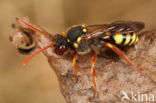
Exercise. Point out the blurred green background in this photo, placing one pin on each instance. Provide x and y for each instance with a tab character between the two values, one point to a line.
37	83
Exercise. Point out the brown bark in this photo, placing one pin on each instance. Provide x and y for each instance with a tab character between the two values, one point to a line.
113	75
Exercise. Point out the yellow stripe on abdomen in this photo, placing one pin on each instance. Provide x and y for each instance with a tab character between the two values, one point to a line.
128	38
134	38
125	39
137	39
118	38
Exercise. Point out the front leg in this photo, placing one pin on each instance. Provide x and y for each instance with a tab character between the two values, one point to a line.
75	65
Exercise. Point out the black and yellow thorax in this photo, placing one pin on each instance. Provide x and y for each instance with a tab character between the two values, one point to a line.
74	34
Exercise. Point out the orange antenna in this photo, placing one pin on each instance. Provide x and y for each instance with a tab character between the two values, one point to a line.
35	53
21	21
29	26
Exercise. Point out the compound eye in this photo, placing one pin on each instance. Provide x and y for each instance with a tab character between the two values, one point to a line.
61	49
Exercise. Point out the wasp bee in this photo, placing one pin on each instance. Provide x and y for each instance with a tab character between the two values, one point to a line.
83	39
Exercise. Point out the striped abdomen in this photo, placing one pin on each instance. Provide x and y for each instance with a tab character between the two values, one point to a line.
124	39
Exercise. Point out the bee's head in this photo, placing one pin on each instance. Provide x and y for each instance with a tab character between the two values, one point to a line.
61	45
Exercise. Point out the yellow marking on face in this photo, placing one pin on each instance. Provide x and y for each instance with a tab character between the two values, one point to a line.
75	45
84	30
68	40
128	38
78	39
107	33
118	38
133	39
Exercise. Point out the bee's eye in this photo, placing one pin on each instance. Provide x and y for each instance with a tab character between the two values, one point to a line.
61	45
61	49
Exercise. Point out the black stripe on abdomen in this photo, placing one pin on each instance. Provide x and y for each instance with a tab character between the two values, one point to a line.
124	39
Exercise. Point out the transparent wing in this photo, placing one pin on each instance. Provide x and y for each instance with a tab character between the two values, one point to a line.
100	30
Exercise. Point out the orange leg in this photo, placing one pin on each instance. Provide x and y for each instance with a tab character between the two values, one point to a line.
118	51
93	72
75	65
35	53
121	53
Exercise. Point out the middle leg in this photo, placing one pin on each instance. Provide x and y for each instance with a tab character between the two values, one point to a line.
93	71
